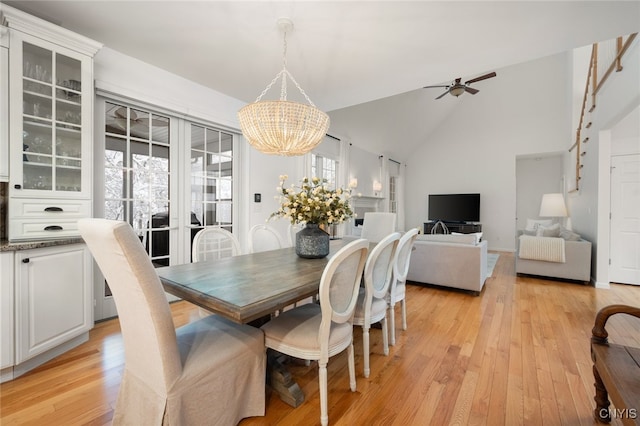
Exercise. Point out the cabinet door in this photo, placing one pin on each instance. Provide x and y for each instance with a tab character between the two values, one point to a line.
51	116
53	297
6	309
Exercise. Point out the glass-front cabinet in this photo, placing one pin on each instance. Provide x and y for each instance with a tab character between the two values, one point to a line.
50	115
51	153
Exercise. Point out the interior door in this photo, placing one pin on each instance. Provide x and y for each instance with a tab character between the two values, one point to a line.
625	219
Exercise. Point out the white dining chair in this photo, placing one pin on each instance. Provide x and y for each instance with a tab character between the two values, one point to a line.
397	293
372	299
378	225
293	229
214	243
263	238
211	370
317	332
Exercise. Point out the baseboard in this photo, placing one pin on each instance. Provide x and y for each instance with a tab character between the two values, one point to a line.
38	360
599	284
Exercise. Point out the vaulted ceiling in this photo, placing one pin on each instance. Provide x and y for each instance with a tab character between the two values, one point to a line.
342	53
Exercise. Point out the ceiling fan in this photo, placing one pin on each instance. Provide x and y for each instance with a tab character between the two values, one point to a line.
457	88
120	116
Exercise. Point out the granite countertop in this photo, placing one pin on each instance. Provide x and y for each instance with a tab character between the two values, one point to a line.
5	245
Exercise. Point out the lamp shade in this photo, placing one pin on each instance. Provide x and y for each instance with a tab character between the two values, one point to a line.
283	127
552	205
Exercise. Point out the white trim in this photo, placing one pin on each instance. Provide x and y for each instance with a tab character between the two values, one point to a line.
161	105
21	21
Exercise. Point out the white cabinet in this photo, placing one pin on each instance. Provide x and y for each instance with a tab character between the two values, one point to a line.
50	123
54	298
6	310
4	106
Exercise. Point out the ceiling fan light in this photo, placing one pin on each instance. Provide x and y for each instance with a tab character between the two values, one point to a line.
456	90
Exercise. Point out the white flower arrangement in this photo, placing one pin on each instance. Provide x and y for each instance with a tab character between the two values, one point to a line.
313	202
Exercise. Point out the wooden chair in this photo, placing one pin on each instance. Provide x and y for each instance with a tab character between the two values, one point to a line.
400	271
616	369
372	300
317	332
214	243
264	238
211	370
378	225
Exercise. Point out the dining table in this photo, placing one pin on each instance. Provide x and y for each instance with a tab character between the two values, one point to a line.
248	289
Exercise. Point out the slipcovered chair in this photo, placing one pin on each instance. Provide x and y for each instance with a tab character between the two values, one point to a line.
209	371
213	244
317	332
398	283
372	299
378	225
264	238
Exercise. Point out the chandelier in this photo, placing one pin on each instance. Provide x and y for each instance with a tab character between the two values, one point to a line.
282	127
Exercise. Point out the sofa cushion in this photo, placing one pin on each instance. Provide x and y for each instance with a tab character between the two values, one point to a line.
532	224
471	239
569	235
548	231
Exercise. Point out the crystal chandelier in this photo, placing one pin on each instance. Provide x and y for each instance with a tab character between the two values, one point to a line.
282	127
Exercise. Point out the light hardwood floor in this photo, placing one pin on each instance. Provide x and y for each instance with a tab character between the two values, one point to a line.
517	354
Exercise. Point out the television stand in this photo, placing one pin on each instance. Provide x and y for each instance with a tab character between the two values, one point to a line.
460	227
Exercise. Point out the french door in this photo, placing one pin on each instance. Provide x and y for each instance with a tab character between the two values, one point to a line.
166	176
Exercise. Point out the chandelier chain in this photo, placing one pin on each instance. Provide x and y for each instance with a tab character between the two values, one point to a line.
283	74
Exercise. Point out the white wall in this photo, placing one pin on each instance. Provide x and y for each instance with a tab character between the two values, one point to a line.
590	206
475	148
536	176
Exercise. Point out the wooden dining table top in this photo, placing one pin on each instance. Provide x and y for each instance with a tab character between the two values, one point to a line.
247	287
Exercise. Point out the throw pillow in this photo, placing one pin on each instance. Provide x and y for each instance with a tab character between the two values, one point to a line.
569	235
529	232
532	224
548	231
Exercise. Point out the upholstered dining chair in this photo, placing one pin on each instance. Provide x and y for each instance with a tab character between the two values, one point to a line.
397	293
372	299
214	243
262	238
317	332
378	225
209	371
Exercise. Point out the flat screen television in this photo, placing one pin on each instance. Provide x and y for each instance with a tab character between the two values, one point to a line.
454	207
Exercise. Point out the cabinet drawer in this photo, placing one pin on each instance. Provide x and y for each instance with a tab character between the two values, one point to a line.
27	229
48	209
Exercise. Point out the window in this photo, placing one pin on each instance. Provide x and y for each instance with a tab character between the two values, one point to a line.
211	177
324	168
137	175
393	195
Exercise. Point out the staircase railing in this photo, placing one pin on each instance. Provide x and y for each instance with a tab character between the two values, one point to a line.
605	54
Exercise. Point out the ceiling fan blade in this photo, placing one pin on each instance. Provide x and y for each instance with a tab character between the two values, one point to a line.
155	122
471	90
442	95
429	87
482	77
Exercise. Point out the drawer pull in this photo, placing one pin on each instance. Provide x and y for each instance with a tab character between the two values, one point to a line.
53	209
26	260
53	228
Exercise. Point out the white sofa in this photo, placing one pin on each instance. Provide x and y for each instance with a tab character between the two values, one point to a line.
457	261
577	264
